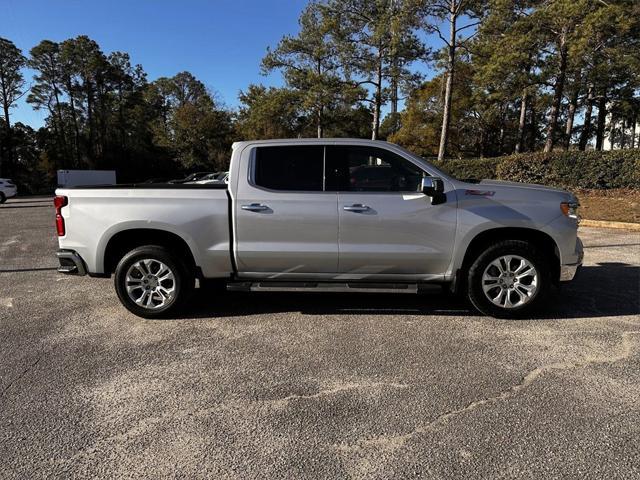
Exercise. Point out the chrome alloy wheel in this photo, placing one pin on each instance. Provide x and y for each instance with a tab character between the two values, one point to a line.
150	284
510	281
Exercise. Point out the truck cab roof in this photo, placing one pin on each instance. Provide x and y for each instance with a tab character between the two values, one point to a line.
312	141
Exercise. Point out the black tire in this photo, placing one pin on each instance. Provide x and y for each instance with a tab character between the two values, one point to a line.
182	283
522	249
3	198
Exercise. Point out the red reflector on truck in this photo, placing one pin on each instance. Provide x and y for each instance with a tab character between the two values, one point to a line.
59	202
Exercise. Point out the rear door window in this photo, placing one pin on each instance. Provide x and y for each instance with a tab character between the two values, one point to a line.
290	168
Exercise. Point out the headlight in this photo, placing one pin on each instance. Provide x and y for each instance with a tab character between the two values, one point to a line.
570	209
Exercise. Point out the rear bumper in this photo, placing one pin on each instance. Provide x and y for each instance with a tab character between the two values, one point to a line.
71	263
569	271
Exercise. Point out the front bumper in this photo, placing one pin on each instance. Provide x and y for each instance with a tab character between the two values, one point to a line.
569	271
71	263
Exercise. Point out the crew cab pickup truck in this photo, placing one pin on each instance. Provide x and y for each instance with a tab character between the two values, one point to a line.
323	215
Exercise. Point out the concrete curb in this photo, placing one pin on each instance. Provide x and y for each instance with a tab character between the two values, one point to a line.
606	224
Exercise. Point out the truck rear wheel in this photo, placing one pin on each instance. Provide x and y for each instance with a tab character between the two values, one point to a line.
509	280
151	282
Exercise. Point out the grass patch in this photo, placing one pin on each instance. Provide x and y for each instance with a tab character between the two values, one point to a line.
614	205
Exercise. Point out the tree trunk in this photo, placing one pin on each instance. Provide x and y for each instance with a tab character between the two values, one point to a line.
501	135
76	128
557	94
58	125
602	119
59	139
375	130
446	110
534	129
102	121
123	138
320	105
633	132
319	121
586	128
89	92
394	95
395	63
522	122
570	117
377	105
9	143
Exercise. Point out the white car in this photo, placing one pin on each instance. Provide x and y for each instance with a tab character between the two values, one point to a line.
7	189
218	177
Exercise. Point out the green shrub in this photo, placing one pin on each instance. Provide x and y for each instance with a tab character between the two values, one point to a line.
470	169
572	169
528	168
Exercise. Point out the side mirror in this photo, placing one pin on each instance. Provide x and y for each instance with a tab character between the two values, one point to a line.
434	187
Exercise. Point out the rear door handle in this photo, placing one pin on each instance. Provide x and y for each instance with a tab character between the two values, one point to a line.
255	207
356	207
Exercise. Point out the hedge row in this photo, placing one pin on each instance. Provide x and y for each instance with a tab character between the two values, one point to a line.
572	169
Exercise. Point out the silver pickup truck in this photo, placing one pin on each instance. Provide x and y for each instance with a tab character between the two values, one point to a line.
323	215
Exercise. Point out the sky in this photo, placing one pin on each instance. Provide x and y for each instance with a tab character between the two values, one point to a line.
220	41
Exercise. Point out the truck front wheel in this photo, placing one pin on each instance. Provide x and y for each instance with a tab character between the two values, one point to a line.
509	279
151	282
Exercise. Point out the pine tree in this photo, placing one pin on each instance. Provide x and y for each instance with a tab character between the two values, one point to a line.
310	64
377	43
11	88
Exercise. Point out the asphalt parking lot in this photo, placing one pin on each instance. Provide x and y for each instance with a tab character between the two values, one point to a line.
314	385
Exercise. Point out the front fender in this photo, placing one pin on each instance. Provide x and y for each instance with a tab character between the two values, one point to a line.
478	214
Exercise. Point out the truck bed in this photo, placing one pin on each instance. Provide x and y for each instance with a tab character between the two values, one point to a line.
198	214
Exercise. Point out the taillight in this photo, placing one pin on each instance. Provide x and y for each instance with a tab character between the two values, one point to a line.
60	201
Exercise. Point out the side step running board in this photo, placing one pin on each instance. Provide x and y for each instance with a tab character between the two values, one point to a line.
322	287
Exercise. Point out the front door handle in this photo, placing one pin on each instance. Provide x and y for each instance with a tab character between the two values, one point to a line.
356	207
255	207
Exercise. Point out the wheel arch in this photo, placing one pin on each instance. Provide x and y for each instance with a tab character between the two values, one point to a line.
543	241
126	240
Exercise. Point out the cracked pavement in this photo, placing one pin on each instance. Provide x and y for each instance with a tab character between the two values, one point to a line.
314	385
